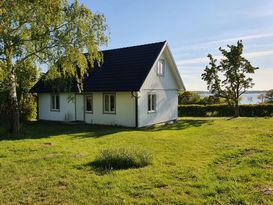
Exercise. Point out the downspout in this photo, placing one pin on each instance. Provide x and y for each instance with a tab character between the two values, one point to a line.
136	105
37	106
75	96
136	108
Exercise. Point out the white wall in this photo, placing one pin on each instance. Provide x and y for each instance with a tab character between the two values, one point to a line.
124	116
166	91
125	110
67	108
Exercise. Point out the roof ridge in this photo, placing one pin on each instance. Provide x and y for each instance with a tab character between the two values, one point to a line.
146	44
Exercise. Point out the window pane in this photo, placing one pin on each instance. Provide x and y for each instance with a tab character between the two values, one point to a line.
153	102
112	103
89	106
106	103
160	67
149	102
53	102
57	102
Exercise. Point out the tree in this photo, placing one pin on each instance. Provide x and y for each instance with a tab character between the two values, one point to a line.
188	97
229	79
39	32
269	96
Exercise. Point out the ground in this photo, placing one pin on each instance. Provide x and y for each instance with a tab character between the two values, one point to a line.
196	161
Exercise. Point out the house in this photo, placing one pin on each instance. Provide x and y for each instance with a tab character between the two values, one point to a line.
136	86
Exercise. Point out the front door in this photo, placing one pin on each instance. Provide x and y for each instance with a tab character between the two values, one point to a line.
79	107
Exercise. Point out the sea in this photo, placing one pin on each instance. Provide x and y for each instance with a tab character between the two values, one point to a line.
250	97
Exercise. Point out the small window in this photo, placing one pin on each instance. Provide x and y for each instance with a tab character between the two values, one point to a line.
109	101
55	102
160	67
151	102
89	103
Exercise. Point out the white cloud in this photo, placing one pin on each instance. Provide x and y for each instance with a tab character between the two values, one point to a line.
215	43
204	60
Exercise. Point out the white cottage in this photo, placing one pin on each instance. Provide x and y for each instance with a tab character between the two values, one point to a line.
135	87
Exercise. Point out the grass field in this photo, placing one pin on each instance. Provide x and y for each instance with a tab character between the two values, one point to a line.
196	161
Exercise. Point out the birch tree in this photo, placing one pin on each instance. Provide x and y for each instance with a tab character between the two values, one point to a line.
34	33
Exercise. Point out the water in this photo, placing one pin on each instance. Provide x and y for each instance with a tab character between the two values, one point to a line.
247	98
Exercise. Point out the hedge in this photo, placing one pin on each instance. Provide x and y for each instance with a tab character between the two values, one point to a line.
223	110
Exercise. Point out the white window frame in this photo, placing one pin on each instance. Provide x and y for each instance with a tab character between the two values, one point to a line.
151	103
92	105
53	103
160	71
109	103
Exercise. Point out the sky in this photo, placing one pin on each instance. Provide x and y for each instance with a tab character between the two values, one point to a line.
193	29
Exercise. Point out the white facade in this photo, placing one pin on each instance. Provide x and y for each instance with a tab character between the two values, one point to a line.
166	90
164	85
71	111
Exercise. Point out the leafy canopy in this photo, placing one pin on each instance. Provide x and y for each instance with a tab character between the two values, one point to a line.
38	32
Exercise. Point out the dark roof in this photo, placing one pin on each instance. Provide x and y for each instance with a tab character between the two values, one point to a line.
124	69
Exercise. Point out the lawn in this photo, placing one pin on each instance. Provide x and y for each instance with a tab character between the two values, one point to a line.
196	161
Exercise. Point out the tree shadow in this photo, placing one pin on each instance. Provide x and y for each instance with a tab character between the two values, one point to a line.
46	129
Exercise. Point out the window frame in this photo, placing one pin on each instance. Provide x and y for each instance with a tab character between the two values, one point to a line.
92	103
163	67
150	102
109	103
53	103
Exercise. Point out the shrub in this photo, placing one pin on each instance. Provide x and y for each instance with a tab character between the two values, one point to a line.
121	158
223	110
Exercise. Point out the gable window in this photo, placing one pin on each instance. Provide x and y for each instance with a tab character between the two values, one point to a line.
55	102
160	67
151	102
89	103
109	103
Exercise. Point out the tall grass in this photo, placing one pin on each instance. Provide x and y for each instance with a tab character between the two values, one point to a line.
122	158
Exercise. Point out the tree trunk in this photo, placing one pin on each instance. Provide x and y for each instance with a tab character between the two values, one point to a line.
236	109
14	115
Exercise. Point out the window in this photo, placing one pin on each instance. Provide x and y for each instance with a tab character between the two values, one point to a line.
160	67
151	102
55	102
89	103
109	101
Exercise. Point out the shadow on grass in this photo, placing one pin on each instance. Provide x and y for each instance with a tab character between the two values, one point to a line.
46	129
180	125
100	169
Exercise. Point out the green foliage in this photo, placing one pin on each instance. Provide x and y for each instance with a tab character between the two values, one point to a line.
269	96
224	110
209	100
188	97
62	34
28	108
229	79
121	158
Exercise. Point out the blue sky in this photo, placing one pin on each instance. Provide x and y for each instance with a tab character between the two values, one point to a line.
193	29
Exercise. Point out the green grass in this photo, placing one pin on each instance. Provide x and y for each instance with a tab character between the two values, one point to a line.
196	161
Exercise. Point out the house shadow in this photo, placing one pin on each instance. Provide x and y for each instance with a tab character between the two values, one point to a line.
46	129
179	125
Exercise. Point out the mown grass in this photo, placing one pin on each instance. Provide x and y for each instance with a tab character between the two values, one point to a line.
196	161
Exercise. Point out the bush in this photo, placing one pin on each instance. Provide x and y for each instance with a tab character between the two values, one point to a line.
223	110
121	158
